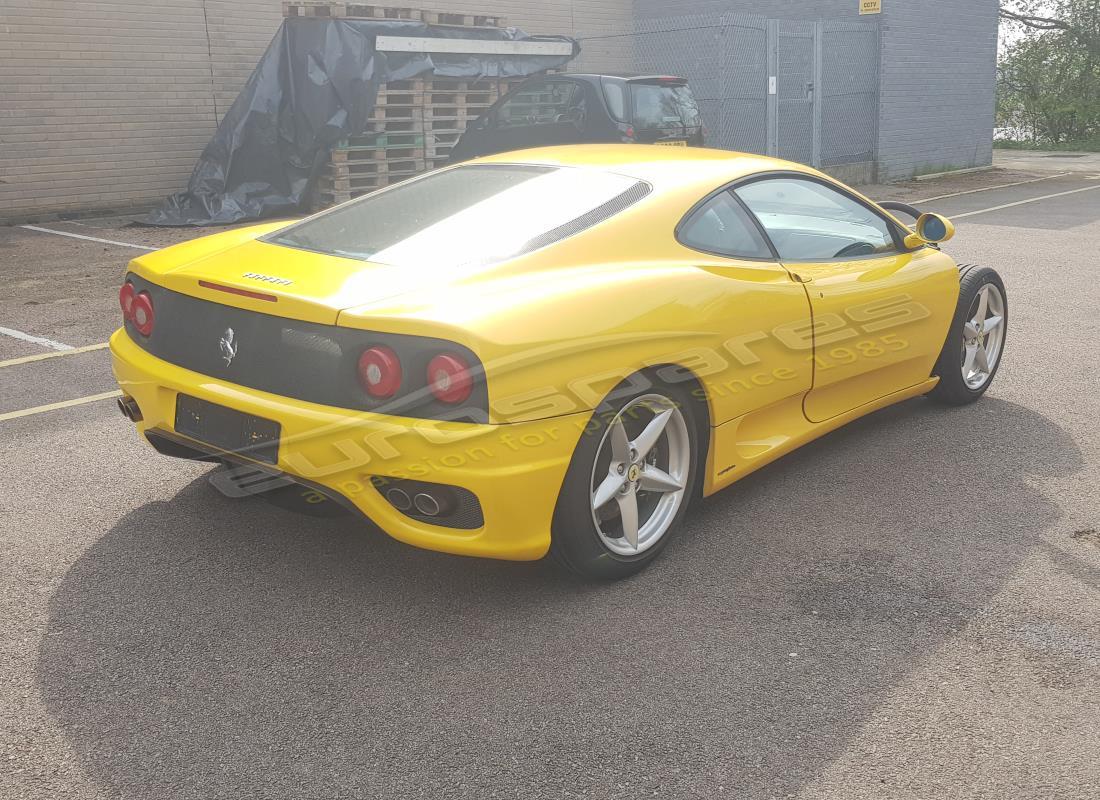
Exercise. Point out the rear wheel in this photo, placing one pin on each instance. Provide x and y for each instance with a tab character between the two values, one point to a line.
629	484
975	344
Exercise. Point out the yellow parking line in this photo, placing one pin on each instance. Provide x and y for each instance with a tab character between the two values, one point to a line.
11	362
26	412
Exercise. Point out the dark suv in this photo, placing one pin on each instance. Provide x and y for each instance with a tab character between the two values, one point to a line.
577	109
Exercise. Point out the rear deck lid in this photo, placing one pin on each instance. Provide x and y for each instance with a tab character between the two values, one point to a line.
260	276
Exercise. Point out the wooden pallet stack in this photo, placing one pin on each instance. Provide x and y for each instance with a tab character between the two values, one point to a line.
415	122
329	10
413	128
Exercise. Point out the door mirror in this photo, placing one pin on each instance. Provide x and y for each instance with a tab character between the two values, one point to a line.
931	229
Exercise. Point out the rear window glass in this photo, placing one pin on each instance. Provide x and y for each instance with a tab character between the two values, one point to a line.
664	106
465	216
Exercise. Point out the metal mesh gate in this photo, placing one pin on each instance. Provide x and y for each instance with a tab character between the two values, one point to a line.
791	49
725	57
803	91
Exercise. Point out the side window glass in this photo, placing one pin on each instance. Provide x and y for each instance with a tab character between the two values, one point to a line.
722	226
542	103
615	94
808	221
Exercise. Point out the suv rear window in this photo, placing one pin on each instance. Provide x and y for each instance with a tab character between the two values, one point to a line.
662	106
466	216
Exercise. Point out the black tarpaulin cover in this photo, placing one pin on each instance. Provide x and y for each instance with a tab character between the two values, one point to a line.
315	85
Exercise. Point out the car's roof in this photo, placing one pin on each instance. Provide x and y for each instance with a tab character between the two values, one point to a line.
663	167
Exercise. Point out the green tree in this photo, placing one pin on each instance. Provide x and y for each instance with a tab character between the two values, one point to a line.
1049	73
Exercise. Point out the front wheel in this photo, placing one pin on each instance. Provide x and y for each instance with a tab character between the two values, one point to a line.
975	344
629	484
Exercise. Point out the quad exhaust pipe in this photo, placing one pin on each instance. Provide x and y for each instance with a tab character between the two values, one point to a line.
129	408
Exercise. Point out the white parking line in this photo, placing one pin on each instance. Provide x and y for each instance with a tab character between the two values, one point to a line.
990	188
1025	202
26	412
72	351
26	337
88	238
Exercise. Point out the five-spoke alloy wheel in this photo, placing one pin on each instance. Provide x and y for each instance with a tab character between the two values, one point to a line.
976	341
983	335
635	499
629	485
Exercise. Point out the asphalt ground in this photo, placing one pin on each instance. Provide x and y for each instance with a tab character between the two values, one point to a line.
904	609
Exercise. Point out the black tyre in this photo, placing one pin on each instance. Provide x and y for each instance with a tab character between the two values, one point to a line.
976	341
632	477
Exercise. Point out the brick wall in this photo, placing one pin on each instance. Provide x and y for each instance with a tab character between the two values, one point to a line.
937	102
101	103
580	18
239	32
108	103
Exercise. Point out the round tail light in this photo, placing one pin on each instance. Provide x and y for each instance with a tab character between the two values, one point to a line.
141	313
126	300
449	378
380	372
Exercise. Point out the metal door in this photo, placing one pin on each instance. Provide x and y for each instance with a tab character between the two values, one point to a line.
792	91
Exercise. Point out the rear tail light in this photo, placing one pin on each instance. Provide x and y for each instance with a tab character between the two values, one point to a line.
126	300
141	313
449	378
629	132
380	372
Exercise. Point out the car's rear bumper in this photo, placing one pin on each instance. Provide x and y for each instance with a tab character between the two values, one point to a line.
516	471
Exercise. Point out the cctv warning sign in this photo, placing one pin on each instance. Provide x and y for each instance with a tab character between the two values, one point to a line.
870	6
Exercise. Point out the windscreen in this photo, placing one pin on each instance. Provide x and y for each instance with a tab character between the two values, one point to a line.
663	106
468	215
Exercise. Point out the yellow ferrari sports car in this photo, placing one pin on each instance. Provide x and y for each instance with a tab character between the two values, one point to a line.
551	351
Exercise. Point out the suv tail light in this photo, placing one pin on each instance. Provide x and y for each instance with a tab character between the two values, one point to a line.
449	378
380	371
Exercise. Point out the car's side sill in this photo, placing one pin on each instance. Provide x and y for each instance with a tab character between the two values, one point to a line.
744	445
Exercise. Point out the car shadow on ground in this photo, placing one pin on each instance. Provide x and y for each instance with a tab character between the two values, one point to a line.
208	647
